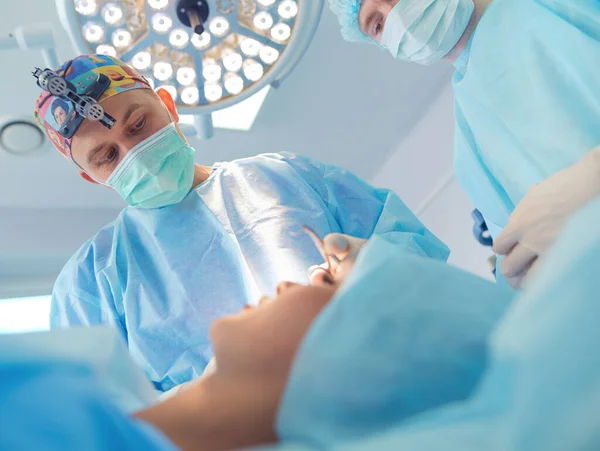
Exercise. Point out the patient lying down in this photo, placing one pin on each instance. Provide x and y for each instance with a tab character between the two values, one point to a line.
258	392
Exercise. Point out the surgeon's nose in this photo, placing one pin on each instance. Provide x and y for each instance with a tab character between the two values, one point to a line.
283	286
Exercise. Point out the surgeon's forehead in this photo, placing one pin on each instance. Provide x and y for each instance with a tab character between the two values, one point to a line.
124	100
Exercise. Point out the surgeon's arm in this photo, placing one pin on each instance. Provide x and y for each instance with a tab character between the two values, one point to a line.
69	310
363	211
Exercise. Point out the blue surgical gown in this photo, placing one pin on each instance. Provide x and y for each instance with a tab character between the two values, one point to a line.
161	276
404	335
61	406
527	99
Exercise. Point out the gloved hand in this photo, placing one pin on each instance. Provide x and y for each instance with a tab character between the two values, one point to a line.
539	217
346	248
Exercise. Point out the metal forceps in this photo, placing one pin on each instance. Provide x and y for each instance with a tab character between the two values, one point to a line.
330	260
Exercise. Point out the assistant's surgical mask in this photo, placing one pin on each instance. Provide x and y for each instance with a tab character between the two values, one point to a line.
157	172
424	31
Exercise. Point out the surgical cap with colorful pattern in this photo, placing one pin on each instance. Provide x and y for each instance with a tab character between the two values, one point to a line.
50	112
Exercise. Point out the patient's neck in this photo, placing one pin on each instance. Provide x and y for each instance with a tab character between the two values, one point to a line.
217	414
480	7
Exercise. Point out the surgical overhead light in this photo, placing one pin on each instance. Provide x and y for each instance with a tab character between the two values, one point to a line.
211	54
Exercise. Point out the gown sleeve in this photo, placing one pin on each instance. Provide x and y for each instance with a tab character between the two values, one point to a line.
364	211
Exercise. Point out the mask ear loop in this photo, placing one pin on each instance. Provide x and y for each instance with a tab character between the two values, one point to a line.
171	115
175	124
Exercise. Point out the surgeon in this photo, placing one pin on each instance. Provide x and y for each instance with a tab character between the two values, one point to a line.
527	100
196	242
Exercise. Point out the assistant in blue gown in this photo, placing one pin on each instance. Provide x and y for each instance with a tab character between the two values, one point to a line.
527	99
161	276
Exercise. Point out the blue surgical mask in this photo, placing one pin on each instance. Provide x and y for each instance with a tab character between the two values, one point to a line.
157	172
424	31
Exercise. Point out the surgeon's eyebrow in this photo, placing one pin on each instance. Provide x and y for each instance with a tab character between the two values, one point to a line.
93	153
130	111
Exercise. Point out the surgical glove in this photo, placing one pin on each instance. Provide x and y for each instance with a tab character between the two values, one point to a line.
346	248
539	217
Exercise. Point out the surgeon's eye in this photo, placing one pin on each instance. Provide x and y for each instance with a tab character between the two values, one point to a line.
111	156
139	124
377	29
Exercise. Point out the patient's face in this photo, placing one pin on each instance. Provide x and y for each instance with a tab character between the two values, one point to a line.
262	341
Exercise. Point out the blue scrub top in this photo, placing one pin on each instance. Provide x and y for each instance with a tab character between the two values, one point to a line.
162	276
527	99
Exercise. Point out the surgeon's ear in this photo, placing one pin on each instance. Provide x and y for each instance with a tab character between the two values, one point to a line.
169	103
87	178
